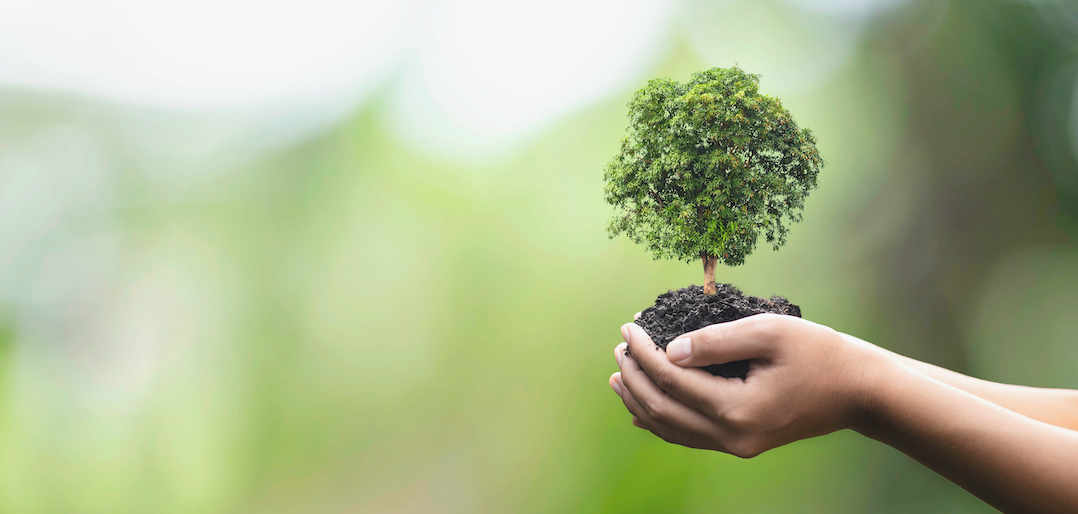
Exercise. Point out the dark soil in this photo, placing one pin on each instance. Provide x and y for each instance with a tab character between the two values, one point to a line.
688	309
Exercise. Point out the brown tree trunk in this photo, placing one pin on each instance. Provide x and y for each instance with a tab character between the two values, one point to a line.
709	273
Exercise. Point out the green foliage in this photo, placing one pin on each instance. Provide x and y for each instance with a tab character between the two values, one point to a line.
707	166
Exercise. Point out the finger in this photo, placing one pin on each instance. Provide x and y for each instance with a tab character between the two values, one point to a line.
619	351
694	387
627	398
654	404
643	420
747	338
637	316
615	383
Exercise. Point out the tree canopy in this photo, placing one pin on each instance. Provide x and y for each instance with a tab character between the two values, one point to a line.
709	165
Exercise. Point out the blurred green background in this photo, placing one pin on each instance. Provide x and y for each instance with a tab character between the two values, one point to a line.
380	301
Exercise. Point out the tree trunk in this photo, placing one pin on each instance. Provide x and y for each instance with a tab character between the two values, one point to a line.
709	273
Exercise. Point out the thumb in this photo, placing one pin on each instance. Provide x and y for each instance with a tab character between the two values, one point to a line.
747	338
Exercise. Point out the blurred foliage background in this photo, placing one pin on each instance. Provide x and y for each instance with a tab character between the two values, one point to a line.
253	262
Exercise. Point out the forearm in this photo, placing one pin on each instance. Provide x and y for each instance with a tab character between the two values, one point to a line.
1014	463
1057	407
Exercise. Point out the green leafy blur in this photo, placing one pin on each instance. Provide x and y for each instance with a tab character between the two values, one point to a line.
346	324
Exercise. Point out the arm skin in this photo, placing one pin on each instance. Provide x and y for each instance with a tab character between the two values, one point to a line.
1057	407
807	380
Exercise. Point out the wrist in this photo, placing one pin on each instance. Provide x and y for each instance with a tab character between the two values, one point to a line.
871	388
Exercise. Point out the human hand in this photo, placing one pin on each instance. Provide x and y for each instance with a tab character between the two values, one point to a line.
804	380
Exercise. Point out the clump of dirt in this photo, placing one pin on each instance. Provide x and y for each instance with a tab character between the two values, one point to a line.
688	309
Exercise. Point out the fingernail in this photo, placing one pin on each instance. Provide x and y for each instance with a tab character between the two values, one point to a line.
615	385
625	332
619	350
679	349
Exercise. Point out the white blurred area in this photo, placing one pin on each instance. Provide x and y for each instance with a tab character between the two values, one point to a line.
467	79
480	76
200	53
488	70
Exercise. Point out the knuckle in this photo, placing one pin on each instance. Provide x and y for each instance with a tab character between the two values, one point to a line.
664	377
739	420
656	412
710	333
769	326
745	448
764	323
706	340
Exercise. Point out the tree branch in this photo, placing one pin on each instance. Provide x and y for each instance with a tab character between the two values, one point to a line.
655	196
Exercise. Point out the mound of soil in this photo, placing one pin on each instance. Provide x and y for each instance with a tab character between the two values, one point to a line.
688	309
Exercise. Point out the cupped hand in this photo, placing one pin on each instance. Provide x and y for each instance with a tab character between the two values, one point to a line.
804	380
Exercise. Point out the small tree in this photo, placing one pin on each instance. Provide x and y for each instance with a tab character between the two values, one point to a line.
707	166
